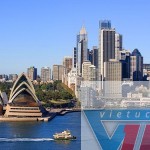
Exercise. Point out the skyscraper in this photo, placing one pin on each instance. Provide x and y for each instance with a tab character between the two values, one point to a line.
57	72
106	46
110	45
136	66
95	56
74	61
67	64
118	45
112	77
45	74
85	70
32	73
113	70
90	53
88	71
105	24
124	58
82	50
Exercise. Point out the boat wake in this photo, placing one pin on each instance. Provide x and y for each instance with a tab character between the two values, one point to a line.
25	139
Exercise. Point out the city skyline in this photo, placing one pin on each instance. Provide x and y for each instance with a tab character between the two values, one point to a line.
40	34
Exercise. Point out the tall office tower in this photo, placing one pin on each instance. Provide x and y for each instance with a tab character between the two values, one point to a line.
90	53
74	61
118	45
106	46
124	57
136	66
105	24
95	56
57	72
85	70
113	78
113	70
67	64
32	73
45	74
82	50
88	71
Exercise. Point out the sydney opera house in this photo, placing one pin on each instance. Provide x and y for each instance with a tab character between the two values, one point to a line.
23	102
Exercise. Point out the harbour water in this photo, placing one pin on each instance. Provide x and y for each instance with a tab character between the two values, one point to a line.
39	135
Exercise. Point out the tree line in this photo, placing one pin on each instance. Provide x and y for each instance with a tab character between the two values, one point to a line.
46	92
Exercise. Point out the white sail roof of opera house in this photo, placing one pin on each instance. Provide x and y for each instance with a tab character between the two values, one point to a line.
22	84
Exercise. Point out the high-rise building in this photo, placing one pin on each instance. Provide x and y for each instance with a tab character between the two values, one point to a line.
105	24
90	53
82	49
113	78
106	46
74	61
93	56
88	71
113	70
110	45
32	73
45	74
57	72
67	64
136	66
92	73
124	57
118	45
85	70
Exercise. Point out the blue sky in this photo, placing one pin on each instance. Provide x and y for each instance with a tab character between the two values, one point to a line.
41	32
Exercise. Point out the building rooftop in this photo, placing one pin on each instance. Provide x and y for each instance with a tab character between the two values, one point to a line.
83	30
136	53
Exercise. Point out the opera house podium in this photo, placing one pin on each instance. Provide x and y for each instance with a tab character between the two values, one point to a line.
23	102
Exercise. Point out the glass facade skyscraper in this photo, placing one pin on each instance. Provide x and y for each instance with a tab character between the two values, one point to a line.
105	24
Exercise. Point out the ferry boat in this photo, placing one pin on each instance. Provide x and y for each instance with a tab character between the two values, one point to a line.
65	135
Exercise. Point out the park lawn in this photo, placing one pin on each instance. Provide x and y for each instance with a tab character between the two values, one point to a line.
60	102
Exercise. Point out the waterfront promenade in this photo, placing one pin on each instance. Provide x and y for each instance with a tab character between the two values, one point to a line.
60	112
52	113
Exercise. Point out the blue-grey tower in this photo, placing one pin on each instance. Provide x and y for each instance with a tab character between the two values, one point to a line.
82	49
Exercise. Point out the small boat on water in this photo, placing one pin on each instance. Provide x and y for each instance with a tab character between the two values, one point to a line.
65	135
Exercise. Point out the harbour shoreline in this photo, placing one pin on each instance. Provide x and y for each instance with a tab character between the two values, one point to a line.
52	113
